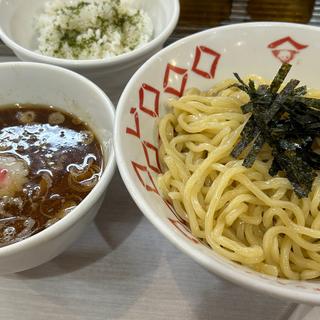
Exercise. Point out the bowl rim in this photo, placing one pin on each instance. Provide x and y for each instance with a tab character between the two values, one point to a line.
182	244
77	64
83	208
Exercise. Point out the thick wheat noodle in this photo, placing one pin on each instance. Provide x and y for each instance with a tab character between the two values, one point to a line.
243	214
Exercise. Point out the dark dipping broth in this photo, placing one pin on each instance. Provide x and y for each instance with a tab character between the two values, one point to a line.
49	162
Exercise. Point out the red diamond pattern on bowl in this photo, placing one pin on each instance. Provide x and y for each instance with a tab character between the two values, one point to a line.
135	132
144	177
149	100
180	73
170	206
202	54
181	227
152	156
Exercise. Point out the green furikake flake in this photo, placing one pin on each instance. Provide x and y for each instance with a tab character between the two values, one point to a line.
288	122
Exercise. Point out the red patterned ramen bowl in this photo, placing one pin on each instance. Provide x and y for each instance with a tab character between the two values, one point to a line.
202	60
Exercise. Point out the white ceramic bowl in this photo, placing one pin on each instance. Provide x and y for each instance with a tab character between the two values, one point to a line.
200	61
49	85
17	20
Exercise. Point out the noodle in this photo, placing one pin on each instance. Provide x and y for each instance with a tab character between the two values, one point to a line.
84	180
243	213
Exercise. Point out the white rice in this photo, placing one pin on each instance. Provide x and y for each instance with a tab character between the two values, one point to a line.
91	29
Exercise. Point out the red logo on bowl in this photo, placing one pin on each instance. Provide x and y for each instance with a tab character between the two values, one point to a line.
285	49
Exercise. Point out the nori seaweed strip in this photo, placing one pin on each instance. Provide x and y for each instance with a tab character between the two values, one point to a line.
252	85
275	168
308	102
242	85
281	130
297	108
315	126
301	91
261	102
248	134
249	89
288	122
281	127
279	78
251	156
248	107
295	143
240	80
279	100
313	159
261	97
297	171
302	119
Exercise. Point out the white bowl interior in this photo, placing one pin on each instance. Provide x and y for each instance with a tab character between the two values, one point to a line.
37	85
18	17
200	61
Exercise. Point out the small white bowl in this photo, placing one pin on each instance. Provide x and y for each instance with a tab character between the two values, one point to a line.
200	61
35	83
17	30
